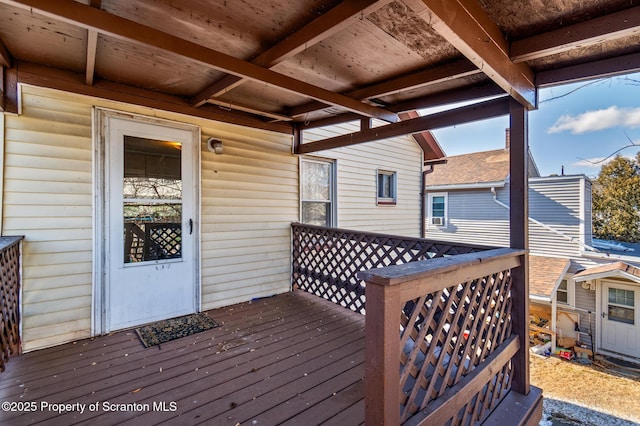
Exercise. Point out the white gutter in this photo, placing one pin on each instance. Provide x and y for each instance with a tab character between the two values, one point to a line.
547	227
477	185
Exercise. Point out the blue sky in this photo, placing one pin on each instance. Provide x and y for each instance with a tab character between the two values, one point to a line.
574	123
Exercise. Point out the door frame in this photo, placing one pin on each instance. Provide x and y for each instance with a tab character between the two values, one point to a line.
101	247
600	302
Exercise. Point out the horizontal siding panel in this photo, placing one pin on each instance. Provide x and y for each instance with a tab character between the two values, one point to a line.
51	282
61	258
48	200
59	294
55	211
50	335
77	152
39	187
56	125
44	308
27	224
59	317
45	271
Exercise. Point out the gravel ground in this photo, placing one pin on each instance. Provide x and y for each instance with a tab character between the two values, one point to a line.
577	394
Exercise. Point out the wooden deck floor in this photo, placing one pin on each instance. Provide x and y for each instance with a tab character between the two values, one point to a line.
289	359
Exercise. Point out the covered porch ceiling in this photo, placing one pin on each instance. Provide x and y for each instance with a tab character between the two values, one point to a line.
285	65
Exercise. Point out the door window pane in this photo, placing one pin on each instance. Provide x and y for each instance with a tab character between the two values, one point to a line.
152	200
621	305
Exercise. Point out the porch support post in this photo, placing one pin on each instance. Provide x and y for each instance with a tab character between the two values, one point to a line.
519	214
382	355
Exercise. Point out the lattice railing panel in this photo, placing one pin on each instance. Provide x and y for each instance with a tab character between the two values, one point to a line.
327	260
152	241
445	335
9	299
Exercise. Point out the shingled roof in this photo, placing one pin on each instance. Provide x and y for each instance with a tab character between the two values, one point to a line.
619	269
479	167
545	274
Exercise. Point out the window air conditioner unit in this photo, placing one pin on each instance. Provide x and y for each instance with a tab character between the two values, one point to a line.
437	221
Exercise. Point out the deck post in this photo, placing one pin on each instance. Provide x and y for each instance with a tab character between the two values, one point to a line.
382	356
519	220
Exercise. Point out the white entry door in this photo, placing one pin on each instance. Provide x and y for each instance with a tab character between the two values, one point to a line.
151	217
621	318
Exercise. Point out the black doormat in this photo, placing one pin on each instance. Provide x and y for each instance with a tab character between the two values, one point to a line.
174	328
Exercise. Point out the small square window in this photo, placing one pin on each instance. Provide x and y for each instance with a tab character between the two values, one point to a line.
387	183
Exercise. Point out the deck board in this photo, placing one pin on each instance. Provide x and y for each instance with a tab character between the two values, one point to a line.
270	361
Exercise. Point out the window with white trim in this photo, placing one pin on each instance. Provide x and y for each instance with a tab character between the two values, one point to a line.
317	192
437	209
387	187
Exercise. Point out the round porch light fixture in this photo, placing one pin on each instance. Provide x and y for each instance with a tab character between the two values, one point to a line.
215	145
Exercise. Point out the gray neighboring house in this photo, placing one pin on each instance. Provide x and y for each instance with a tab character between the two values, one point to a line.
588	294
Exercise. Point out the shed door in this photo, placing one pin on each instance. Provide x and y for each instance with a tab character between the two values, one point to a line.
621	318
151	223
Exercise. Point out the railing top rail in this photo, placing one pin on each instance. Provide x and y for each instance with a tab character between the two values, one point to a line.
400	237
7	242
397	274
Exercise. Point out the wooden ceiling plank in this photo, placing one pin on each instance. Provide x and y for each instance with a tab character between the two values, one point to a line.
466	114
39	75
335	20
94	19
5	56
599	69
465	25
92	46
595	31
425	77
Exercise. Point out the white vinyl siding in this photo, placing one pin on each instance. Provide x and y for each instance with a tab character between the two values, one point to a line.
48	199
357	168
472	218
249	197
475	218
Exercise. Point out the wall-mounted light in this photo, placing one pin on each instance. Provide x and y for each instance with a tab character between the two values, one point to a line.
215	145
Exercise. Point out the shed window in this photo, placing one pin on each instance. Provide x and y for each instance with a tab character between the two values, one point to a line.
387	181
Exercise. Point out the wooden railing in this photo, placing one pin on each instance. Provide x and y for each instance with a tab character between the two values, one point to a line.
326	261
439	342
9	298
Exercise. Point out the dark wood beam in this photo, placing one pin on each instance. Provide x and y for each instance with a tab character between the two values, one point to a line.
598	69
5	56
10	90
462	94
480	111
90	18
324	26
421	78
431	149
39	75
465	25
519	236
593	32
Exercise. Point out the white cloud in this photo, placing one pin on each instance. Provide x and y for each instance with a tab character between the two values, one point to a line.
601	119
597	162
